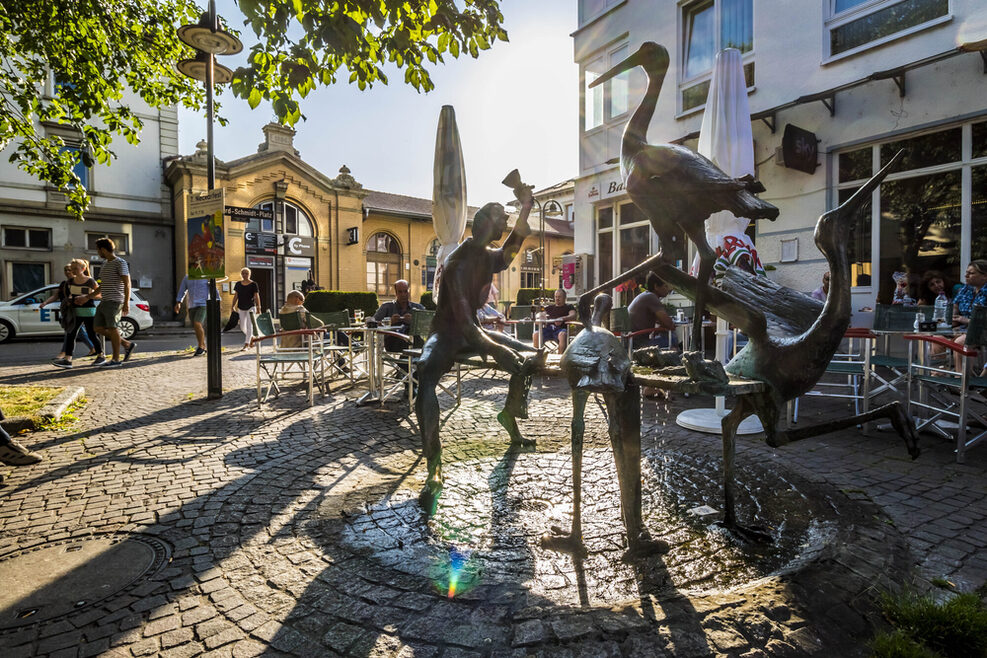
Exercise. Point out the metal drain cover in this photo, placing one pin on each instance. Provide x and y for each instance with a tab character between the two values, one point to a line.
59	578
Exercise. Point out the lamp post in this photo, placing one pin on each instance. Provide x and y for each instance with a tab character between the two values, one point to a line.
209	40
541	238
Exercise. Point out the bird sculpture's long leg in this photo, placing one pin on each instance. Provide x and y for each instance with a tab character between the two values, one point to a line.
707	258
893	411
624	411
743	408
558	539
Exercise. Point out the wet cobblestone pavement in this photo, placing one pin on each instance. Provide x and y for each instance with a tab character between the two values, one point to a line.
295	531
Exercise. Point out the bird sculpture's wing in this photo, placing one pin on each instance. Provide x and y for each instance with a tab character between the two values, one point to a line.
690	171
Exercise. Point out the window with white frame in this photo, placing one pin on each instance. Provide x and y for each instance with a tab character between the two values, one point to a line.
590	9
611	100
531	268
79	168
855	25
18	237
383	263
918	225
709	26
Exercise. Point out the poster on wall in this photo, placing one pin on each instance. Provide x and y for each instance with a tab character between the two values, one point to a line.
206	241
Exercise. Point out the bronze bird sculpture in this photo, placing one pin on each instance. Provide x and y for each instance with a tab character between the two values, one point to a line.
791	338
675	187
596	362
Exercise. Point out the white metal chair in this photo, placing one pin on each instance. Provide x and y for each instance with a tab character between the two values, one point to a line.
946	396
276	365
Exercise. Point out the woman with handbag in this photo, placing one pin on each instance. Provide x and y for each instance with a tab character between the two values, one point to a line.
60	295
78	309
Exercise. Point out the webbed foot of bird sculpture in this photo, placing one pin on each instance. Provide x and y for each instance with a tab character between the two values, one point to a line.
509	423
429	496
564	542
750	533
644	545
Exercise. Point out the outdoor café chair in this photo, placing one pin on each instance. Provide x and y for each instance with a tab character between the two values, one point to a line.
620	325
275	365
348	351
890	372
947	396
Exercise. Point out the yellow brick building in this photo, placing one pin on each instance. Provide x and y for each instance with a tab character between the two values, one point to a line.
330	231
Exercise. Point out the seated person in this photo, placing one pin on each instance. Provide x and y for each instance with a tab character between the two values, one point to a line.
398	313
647	311
933	283
293	304
823	290
557	316
490	318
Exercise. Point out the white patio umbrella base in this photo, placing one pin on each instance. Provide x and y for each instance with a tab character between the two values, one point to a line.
708	420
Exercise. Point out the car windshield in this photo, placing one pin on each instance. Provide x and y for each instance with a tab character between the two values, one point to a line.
35	297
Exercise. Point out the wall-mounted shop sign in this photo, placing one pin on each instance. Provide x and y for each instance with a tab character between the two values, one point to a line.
297	245
260	261
800	149
353	235
294	261
605	189
260	243
241	214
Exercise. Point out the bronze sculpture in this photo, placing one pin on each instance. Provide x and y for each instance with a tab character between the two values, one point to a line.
675	187
468	274
596	362
791	339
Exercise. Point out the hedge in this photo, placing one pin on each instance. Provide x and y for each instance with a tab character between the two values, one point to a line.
526	295
427	301
327	301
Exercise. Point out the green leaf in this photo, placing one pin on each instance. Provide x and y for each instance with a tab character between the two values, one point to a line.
254	98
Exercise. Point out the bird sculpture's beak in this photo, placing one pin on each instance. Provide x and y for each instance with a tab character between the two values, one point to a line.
863	195
639	58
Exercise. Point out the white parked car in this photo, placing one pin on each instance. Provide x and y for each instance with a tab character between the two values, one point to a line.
22	316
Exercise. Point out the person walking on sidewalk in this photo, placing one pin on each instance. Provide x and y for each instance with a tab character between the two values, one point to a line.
78	299
114	286
197	292
246	300
59	295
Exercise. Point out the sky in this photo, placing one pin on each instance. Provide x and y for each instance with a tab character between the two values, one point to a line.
516	107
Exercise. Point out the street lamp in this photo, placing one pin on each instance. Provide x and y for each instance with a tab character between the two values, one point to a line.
542	210
209	40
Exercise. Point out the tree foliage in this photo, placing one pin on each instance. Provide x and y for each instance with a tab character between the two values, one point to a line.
66	65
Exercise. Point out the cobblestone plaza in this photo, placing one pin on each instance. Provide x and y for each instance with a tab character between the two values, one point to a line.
234	530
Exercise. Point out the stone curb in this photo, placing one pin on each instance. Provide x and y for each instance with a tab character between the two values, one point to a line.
51	411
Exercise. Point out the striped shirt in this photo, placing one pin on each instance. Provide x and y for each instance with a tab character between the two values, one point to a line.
111	280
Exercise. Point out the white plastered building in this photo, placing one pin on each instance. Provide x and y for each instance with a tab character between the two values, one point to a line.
866	77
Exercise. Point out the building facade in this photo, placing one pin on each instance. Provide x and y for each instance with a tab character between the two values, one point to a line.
128	203
330	232
834	92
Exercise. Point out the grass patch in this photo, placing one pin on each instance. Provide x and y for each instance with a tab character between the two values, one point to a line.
26	400
924	628
66	422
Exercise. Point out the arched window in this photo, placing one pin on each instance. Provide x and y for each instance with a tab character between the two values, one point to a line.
383	263
531	268
296	220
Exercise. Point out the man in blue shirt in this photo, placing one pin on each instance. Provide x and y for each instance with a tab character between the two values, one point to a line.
197	291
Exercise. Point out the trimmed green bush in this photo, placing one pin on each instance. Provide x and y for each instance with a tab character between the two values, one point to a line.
525	295
954	629
327	301
427	300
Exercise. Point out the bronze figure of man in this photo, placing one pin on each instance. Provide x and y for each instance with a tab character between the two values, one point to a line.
467	276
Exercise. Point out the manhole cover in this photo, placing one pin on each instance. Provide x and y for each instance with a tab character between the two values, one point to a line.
59	578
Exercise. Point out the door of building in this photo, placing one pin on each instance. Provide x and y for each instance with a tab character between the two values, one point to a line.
265	283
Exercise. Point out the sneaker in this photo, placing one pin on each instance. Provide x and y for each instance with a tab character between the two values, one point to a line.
62	363
111	364
99	360
199	351
14	454
126	352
